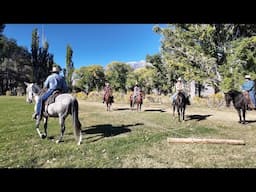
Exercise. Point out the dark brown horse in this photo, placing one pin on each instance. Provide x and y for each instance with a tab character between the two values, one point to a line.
239	102
138	100
180	103
109	99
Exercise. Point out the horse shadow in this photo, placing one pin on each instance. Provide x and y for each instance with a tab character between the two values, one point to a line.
121	109
157	110
107	130
250	121
197	117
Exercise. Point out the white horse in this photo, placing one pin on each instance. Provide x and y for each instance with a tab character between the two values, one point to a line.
64	105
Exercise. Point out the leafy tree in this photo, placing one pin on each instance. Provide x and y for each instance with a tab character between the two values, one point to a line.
203	52
69	65
163	80
42	60
34	55
91	77
117	73
15	67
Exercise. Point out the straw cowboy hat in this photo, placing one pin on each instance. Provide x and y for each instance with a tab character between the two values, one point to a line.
247	77
55	69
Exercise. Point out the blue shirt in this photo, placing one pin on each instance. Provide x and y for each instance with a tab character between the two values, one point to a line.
248	86
56	81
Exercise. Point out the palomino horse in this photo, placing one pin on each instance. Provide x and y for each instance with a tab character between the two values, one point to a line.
108	98
64	105
138	101
180	102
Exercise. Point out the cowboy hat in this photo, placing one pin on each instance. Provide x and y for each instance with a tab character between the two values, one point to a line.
55	69
247	77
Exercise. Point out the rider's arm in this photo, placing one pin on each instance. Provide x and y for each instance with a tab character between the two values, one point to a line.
47	82
64	85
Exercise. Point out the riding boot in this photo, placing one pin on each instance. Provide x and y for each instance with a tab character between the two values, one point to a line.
34	116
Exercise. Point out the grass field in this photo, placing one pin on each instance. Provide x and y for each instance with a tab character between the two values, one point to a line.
125	139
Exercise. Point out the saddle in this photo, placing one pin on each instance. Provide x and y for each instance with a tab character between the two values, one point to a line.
248	100
50	100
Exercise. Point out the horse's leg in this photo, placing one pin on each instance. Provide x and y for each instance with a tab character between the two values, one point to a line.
179	112
243	111
173	110
37	127
183	114
239	114
62	128
44	135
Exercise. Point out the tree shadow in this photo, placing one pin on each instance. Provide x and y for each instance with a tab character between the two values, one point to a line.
197	117
107	130
152	110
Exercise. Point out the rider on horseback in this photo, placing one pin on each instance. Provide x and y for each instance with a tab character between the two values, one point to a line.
107	89
248	86
179	86
53	82
136	91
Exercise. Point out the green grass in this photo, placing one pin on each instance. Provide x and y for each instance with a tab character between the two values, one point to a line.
116	139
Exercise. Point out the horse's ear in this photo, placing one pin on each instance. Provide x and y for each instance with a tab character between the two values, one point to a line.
26	83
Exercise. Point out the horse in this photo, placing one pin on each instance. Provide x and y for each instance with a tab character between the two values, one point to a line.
180	103
138	101
108	99
64	105
239	102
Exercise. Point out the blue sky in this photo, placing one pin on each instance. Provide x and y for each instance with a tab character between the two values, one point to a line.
91	43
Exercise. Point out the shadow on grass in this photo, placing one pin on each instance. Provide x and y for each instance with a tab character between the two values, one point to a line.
197	117
152	110
121	109
107	130
249	121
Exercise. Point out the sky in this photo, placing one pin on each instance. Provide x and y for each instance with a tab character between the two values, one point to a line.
91	43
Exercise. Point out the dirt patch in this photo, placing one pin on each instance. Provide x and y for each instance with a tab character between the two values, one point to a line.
225	114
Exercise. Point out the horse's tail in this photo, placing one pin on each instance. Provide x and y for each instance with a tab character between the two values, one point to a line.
76	122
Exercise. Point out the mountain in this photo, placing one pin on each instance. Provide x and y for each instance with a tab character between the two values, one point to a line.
138	64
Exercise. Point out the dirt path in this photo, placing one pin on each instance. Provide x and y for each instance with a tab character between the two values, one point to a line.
224	114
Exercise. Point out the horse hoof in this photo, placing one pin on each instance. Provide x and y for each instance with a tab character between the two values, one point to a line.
43	136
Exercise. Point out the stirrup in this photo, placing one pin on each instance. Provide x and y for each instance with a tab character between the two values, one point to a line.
35	116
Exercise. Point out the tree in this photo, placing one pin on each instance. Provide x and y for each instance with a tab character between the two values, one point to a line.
91	77
163	80
15	66
42	60
69	65
200	52
34	55
117	73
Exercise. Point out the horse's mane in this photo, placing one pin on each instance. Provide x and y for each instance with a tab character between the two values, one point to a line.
35	88
234	93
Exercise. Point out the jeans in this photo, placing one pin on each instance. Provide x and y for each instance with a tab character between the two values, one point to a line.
41	99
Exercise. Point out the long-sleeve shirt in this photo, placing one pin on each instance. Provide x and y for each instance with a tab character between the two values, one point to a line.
56	81
179	86
136	90
248	86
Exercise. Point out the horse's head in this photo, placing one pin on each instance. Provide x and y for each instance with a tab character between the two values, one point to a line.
31	90
228	98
